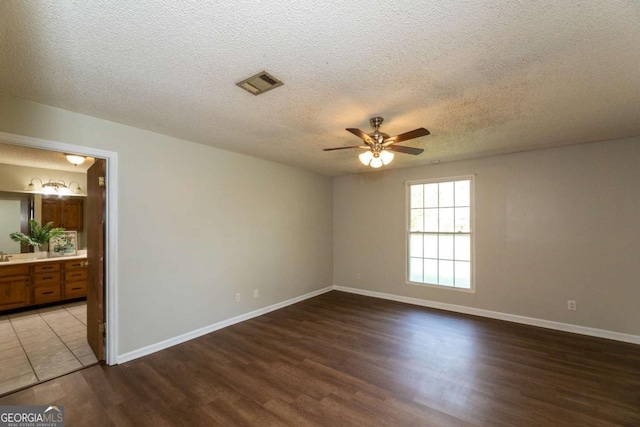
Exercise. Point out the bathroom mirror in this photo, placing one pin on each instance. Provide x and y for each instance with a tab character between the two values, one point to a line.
15	211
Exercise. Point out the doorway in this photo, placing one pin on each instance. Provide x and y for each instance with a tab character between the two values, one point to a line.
76	312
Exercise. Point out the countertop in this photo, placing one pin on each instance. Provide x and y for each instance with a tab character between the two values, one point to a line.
34	260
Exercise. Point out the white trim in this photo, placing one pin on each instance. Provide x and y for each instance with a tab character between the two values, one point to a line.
144	351
111	237
565	327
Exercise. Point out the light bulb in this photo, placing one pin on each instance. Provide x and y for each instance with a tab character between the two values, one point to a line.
366	157
376	162
386	156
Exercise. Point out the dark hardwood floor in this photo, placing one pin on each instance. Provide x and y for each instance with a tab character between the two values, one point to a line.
342	359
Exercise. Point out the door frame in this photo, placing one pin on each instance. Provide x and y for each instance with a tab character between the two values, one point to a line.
111	225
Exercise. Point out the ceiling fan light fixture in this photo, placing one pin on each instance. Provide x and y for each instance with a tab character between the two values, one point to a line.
386	156
365	158
75	159
376	162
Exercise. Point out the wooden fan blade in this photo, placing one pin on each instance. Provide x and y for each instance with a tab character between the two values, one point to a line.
357	132
416	133
406	150
344	148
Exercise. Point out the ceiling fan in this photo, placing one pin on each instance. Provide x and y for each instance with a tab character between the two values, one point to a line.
380	145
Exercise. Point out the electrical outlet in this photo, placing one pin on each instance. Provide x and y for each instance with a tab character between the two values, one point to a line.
255	293
571	305
237	297
359	276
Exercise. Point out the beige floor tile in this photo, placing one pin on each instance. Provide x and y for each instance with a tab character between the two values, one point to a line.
89	359
51	310
23	315
66	326
38	339
75	304
41	344
8	338
37	352
51	359
18	382
10	352
62	368
82	351
73	333
76	342
29	327
15	367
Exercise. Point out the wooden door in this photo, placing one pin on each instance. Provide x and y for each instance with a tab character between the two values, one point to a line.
95	213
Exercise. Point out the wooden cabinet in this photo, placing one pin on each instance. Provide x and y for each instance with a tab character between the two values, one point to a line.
75	279
65	212
35	283
14	287
46	282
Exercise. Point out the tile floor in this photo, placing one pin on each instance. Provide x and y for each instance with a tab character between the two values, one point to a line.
41	344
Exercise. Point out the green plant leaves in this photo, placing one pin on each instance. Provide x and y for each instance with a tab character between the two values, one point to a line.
38	235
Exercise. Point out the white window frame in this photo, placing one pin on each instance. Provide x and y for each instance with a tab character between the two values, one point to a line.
408	184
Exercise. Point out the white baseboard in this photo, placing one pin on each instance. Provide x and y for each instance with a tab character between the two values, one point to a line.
566	327
144	351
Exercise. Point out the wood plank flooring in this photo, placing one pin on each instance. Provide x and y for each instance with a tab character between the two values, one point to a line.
342	359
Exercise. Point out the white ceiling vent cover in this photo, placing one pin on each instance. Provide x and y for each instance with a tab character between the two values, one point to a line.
260	83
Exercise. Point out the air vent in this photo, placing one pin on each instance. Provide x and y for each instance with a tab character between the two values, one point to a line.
260	83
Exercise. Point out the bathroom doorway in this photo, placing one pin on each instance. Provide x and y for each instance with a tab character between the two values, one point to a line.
68	351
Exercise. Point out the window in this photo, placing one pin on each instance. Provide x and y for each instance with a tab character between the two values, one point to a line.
439	232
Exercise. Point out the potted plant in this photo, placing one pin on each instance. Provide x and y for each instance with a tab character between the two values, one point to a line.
38	235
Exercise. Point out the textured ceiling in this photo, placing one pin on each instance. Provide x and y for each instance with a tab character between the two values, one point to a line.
33	157
484	77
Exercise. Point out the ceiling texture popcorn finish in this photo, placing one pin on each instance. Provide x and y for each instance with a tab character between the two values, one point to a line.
484	77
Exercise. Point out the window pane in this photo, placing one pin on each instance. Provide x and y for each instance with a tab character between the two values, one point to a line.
431	246
445	270
445	194
415	245
417	220
439	237
445	246
431	195
463	220
463	247
463	274
416	196
463	193
446	220
431	271
415	269
431	220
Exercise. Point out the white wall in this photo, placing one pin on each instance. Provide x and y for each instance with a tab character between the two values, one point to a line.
197	224
551	225
15	178
9	210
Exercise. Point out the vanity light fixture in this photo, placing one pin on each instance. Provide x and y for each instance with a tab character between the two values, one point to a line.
32	186
58	187
75	159
76	190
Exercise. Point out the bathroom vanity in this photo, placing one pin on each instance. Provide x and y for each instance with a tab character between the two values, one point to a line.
34	282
